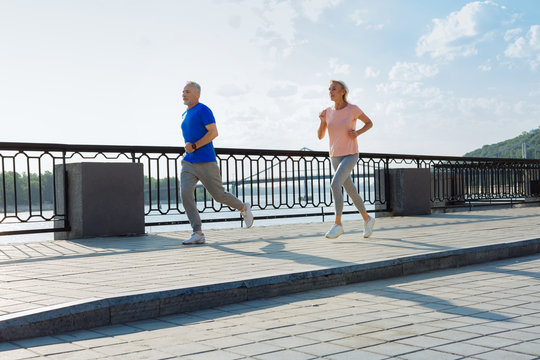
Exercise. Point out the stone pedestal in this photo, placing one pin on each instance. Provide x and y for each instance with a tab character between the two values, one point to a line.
409	192
103	199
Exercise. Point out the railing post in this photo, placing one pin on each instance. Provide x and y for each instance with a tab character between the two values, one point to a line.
66	188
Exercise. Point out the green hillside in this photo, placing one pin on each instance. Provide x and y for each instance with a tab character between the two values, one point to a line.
512	148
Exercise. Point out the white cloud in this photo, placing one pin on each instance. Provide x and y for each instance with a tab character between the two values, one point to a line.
371	72
460	32
534	93
526	48
361	18
232	90
512	34
275	27
518	49
312	9
485	67
336	68
402	71
412	89
534	39
283	89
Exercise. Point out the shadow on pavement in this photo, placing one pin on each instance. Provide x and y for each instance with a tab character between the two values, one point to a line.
387	289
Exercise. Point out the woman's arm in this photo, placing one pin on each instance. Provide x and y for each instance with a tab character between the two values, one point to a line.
322	126
368	124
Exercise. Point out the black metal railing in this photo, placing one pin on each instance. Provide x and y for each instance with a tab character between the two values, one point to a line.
277	183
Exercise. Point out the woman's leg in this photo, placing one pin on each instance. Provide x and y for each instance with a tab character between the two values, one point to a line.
343	166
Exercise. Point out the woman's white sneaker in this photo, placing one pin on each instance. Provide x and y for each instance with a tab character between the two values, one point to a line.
334	231
368	227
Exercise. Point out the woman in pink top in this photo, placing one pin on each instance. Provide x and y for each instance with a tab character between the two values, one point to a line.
340	120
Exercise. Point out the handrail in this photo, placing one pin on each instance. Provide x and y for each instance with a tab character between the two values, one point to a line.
271	179
236	151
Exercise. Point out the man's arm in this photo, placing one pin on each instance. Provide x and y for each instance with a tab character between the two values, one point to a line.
211	134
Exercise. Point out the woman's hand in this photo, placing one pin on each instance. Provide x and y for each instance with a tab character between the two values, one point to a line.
353	134
322	115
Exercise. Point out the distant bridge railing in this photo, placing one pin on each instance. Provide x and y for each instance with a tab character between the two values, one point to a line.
278	183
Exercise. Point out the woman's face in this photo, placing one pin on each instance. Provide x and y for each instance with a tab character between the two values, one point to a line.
336	91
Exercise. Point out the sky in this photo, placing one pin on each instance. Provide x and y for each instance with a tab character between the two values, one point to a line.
435	77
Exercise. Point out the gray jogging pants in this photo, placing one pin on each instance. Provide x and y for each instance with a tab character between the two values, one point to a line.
343	166
208	174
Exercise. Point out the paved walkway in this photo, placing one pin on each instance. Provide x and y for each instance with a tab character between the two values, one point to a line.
35	276
489	311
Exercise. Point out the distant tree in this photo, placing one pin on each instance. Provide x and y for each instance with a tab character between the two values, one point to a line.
512	148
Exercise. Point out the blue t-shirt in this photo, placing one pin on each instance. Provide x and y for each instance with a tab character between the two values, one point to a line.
194	123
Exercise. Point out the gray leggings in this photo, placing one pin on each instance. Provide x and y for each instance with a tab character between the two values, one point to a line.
208	174
343	166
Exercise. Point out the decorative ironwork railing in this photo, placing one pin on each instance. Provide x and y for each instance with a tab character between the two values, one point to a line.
277	183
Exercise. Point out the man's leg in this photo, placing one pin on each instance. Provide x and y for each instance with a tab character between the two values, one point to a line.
188	182
211	180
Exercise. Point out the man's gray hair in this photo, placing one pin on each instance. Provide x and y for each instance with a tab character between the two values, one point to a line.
197	86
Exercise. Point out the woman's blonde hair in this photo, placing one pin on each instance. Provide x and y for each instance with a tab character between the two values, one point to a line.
344	86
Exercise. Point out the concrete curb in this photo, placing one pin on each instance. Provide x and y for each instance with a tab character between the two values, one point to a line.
94	312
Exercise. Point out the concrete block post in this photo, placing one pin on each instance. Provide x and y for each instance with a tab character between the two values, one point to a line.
409	192
103	199
533	190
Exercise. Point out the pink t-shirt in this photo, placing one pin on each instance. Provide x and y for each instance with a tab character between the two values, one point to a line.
339	122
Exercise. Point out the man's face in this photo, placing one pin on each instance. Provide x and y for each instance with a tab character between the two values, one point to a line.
190	95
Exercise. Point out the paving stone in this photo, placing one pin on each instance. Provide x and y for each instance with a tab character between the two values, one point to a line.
504	355
492	342
254	349
392	349
119	349
430	355
454	335
322	349
17	354
91	355
462	348
530	348
214	355
285	354
357	342
424	341
291	342
355	355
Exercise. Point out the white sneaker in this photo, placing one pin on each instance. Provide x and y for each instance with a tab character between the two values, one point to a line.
195	238
334	231
368	227
247	215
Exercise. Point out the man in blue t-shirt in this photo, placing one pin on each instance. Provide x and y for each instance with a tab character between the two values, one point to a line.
200	163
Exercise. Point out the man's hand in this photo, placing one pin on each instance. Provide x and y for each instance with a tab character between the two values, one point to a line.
189	148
